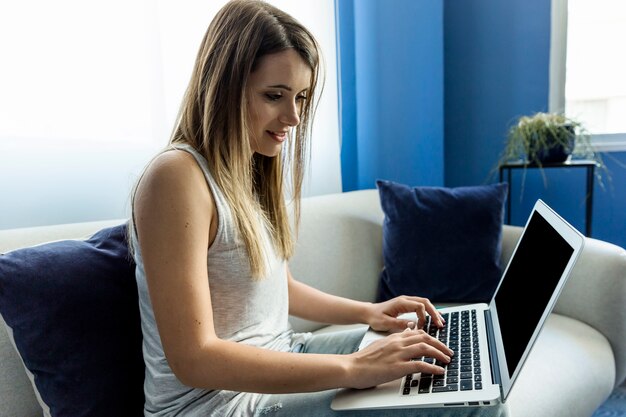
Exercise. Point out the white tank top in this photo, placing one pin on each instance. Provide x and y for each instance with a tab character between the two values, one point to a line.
254	312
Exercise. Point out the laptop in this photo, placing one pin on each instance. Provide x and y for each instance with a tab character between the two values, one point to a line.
491	341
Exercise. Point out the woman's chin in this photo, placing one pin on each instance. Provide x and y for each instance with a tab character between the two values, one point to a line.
270	152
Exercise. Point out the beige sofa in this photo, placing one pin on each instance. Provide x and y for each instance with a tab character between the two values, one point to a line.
576	363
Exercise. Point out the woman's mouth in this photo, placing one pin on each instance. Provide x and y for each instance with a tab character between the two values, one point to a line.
277	136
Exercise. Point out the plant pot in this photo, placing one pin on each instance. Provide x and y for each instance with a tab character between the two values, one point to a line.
555	150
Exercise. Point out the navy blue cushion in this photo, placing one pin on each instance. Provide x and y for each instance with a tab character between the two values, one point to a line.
73	309
441	243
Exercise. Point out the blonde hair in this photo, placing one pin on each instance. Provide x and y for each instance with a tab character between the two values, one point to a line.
214	120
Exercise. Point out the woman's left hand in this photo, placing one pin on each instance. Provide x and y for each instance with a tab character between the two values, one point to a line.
383	317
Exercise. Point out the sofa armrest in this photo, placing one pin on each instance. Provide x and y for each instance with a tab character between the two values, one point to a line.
595	293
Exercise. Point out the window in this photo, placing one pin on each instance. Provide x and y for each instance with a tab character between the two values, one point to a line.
588	67
91	90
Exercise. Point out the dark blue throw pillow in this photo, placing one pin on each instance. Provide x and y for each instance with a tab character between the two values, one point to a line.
73	309
441	243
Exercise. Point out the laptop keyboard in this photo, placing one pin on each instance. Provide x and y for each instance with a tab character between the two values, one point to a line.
463	373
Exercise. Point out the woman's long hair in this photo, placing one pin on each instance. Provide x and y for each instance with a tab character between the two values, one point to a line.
214	120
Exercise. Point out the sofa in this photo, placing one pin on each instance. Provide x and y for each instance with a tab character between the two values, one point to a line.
579	358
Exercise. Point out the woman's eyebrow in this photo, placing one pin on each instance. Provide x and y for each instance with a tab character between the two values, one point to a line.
283	86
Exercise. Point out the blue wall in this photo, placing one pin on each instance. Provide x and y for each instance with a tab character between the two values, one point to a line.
497	68
473	65
391	63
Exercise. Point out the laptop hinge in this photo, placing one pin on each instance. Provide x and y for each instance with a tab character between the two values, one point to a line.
493	355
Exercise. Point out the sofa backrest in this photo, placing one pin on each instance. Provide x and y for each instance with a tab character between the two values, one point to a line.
339	246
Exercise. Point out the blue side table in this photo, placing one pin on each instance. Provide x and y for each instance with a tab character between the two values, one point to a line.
589	165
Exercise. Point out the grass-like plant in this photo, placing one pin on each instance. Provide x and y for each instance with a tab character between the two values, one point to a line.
545	138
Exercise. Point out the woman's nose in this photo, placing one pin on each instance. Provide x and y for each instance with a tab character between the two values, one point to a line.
291	115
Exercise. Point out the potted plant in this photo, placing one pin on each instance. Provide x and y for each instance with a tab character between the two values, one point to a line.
545	138
548	138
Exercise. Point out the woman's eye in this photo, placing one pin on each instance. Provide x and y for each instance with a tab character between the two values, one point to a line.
301	97
273	97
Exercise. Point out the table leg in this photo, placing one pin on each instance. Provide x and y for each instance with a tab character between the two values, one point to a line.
589	200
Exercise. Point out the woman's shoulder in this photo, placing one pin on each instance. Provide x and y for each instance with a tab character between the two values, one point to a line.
173	160
175	165
174	175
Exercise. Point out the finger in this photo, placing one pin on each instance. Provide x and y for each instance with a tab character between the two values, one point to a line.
425	349
404	304
422	337
432	311
424	367
420	310
404	324
439	345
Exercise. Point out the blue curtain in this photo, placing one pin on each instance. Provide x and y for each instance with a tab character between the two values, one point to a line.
391	69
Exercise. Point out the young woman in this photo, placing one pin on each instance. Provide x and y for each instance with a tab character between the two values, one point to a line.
211	238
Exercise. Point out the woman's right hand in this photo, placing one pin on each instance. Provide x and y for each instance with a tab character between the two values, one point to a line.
392	358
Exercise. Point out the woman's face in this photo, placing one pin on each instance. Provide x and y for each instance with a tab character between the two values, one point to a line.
276	92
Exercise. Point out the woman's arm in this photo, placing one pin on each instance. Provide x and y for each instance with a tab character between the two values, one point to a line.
312	304
176	218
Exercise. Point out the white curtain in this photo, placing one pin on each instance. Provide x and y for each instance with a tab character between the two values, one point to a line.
89	91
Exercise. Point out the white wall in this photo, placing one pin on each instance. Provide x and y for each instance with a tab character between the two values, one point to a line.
90	91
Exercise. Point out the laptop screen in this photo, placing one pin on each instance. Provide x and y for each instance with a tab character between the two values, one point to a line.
540	259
